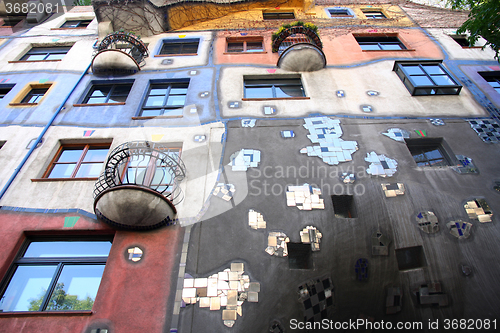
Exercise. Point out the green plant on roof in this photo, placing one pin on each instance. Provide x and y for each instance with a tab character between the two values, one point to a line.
285	26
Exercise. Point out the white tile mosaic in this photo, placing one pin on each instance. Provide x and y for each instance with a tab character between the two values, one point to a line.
256	220
224	191
380	165
248	122
304	197
397	134
244	159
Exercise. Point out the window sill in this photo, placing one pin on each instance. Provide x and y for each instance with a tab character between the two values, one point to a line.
229	53
275	99
472	47
63	179
76	28
21	61
389	50
23	104
156	117
100	104
44	313
175	55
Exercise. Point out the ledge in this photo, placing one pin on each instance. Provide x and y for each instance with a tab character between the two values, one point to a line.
76	28
229	53
155	117
275	99
100	104
23	104
175	55
389	50
63	179
21	61
45	313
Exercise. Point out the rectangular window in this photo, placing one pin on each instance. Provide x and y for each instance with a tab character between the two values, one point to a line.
278	15
78	161
108	93
493	78
429	152
58	275
379	43
180	46
4	90
273	88
164	98
75	24
250	44
45	53
340	12
426	78
373	14
34	96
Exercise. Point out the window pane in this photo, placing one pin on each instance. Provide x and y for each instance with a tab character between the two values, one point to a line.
62	171
235	47
96	100
258	92
254	47
70	155
96	155
392	46
433	69
87	170
121	90
370	46
34	57
176	90
176	100
155	101
27	288
433	154
68	249
289	91
76	288
99	91
170	48
412	69
158	91
55	56
117	99
190	48
442	80
421	81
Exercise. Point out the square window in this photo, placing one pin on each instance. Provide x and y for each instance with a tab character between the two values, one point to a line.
34	96
299	256
343	206
340	12
74	24
430	152
4	90
45	53
426	78
180	46
247	45
108	93
58	275
163	97
410	258
377	43
278	15
493	79
78	161
373	14
273	88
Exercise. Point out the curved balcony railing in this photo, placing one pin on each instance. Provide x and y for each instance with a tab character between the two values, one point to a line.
144	164
295	35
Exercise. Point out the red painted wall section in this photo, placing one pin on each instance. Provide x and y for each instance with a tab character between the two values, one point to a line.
339	46
132	296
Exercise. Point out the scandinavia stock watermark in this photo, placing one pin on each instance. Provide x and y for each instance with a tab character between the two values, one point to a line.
267	181
365	324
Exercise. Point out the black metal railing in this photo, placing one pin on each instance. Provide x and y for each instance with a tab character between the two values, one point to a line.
144	164
125	42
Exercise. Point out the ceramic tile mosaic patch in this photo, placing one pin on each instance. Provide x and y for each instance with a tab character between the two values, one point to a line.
478	209
304	197
459	229
431	293
276	244
397	134
226	290
393	189
244	159
380	165
287	134
465	165
347	178
311	235
248	122
394	300
427	222
224	191
327	132
256	220
317	296
437	122
488	130
380	244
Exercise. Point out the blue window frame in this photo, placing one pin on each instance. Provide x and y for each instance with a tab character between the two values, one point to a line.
340	12
179	46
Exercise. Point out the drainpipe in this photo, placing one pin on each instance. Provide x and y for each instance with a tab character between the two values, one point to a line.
39	139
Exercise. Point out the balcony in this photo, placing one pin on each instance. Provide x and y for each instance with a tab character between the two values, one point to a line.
119	53
299	47
139	187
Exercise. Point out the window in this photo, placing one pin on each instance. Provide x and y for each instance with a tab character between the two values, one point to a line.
78	161
58	275
108	93
45	53
180	46
74	24
429	152
426	78
373	14
164	98
339	12
150	171
461	40
278	15
273	88
251	44
11	21
4	90
379	43
493	78
34	96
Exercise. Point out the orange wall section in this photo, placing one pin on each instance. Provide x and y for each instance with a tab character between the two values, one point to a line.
132	296
339	46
